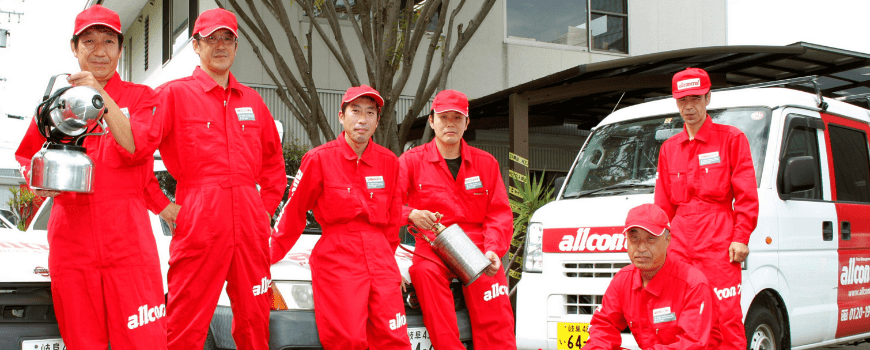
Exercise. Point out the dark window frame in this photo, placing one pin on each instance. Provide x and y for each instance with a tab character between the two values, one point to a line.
813	144
590	45
145	39
837	161
167	33
624	16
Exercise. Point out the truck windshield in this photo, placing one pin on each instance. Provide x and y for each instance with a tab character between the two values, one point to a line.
622	158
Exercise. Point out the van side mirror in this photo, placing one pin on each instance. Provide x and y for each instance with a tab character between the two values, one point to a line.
799	174
559	182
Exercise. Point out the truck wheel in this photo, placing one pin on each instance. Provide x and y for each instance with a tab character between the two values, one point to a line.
763	331
209	342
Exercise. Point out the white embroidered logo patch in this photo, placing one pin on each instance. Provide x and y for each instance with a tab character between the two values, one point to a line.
708	158
664	314
245	113
375	182
688	83
473	183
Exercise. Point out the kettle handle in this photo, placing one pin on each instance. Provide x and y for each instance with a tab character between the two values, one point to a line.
51	85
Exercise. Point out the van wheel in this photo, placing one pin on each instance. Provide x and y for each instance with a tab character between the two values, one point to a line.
209	342
763	331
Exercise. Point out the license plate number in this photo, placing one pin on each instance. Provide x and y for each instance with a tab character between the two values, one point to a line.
419	337
571	336
43	344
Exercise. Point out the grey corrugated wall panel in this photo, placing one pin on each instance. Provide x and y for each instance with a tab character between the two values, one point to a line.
331	103
549	159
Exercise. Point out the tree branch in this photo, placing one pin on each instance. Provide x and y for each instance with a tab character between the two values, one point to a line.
304	69
341	54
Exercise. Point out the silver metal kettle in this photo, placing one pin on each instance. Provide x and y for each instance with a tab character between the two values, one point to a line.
64	119
60	167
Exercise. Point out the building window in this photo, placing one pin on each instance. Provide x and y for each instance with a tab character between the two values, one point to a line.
598	25
146	29
124	66
178	19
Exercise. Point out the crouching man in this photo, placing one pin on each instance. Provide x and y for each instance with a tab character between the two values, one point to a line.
666	303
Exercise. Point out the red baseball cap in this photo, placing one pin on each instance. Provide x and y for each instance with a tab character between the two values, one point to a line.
648	217
211	20
356	92
692	81
97	15
450	100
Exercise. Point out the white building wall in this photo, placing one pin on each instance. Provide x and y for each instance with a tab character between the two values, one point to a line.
490	62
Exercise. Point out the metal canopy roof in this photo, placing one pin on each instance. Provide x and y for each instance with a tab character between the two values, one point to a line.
585	94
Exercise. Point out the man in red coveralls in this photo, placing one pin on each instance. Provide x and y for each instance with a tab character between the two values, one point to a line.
665	302
702	171
105	272
220	143
350	184
463	184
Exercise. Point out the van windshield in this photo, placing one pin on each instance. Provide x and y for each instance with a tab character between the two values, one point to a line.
622	158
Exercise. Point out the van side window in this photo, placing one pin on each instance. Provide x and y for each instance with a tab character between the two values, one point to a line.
803	142
851	163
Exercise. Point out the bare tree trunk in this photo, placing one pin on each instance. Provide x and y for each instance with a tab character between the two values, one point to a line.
389	32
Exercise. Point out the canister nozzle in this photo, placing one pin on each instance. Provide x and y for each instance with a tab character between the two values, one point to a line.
437	227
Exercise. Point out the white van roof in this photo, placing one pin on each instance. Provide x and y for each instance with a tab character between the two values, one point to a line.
769	97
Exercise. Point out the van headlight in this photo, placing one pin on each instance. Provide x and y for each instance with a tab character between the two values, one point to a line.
534	254
291	295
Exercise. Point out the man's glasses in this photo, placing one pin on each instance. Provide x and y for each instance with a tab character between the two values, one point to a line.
214	39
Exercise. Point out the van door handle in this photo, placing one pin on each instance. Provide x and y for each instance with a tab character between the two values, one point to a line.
845	230
827	230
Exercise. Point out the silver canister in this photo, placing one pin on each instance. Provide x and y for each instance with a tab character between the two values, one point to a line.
459	253
61	167
76	110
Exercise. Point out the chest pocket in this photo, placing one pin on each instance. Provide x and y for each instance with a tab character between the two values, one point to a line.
714	180
378	204
667	332
338	202
432	196
679	186
476	202
253	143
199	137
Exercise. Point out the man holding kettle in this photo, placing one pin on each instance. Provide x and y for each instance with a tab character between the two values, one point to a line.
464	184
105	274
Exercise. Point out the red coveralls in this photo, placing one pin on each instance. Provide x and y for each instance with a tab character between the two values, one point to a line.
220	144
674	311
477	201
357	285
105	272
697	182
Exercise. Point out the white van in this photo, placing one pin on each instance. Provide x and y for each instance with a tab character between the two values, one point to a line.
806	282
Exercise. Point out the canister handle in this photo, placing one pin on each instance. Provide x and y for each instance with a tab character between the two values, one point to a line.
51	85
415	231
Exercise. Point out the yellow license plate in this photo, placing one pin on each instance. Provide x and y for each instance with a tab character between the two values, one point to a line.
571	336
